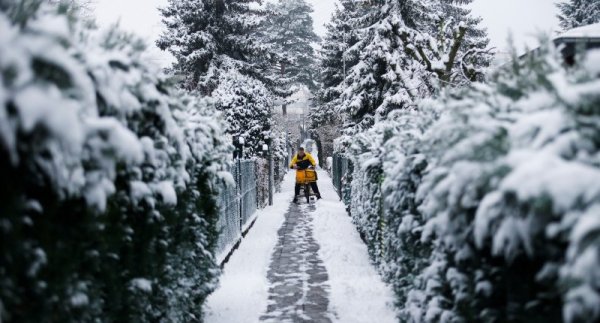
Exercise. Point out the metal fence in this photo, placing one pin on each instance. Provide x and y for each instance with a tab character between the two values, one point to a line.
238	203
341	172
280	168
247	190
228	224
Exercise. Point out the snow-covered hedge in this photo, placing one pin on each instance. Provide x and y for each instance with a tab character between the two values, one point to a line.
484	205
107	207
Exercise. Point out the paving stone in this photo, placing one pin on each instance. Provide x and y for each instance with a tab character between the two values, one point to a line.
299	289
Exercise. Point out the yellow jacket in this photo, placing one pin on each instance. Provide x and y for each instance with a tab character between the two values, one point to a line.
306	156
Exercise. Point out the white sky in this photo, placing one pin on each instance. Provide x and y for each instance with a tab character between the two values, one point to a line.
524	18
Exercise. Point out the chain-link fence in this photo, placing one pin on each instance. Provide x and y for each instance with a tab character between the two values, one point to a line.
229	223
238	203
341	175
247	185
280	168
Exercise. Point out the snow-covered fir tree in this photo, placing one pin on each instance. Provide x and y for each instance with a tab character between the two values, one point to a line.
407	51
216	44
473	55
334	63
577	13
368	82
336	59
247	107
288	30
209	38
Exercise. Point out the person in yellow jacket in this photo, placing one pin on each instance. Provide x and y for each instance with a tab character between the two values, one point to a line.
303	160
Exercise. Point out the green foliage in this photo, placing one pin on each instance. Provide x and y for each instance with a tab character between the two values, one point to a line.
107	209
396	53
219	54
488	197
577	13
288	31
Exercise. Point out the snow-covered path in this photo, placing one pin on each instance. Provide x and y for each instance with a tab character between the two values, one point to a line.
301	263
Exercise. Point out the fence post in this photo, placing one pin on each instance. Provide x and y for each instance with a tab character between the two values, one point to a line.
269	155
240	186
338	176
271	186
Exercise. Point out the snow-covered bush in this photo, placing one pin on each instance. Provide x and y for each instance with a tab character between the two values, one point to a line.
106	200
262	182
513	171
490	197
365	151
246	104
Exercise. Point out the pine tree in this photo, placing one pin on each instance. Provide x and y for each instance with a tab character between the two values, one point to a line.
333	64
408	51
216	44
364	85
474	54
577	13
288	30
208	37
448	41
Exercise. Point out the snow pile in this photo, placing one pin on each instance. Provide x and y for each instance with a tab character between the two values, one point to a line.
108	172
478	205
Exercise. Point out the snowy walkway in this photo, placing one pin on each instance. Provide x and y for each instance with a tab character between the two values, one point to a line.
301	263
299	289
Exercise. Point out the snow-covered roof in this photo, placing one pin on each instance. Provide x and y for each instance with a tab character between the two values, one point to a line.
589	31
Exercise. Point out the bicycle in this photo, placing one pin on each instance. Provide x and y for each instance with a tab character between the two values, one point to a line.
305	177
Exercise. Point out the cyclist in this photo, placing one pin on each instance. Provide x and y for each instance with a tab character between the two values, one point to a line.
303	160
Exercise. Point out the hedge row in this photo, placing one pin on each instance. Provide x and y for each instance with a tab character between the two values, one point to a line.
107	199
483	205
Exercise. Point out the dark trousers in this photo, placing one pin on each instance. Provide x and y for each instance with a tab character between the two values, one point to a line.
313	186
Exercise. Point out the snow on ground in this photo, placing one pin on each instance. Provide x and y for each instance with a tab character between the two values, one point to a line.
357	295
242	294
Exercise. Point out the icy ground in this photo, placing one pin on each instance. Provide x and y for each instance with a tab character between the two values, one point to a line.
302	263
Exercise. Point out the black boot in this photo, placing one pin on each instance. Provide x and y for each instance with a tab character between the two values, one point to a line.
315	189
296	193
